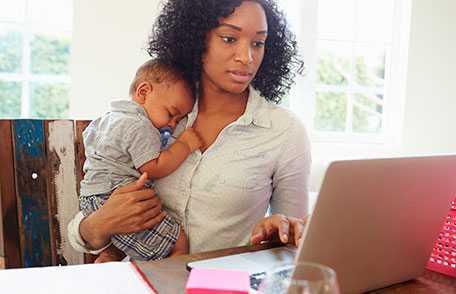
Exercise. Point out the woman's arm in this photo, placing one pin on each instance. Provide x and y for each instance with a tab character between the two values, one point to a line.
290	190
130	209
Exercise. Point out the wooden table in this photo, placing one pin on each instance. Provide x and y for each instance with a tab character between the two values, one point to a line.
169	276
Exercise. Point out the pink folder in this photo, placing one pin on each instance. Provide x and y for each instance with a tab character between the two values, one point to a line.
215	281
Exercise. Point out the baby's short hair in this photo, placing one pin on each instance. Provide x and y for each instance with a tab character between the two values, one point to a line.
154	71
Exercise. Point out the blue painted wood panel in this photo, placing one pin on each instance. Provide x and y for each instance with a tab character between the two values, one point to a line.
31	186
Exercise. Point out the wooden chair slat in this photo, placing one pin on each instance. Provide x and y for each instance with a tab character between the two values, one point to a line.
63	188
31	175
10	232
39	185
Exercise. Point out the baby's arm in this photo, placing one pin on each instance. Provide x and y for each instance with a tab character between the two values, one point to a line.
169	160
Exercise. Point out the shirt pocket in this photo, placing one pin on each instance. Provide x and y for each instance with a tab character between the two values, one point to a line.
239	178
245	171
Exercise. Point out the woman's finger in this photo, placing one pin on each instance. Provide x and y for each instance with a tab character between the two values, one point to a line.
283	227
149	204
258	233
152	222
142	195
151	213
298	229
134	186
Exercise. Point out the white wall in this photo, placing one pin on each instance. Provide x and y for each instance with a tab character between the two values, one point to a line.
108	44
430	107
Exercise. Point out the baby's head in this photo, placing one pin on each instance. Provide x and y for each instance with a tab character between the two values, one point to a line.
162	92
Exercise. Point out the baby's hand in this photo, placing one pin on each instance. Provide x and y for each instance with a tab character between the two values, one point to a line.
191	138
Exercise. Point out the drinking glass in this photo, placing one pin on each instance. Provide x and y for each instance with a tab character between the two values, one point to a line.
302	278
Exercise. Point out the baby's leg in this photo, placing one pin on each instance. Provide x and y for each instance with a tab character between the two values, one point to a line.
110	254
181	247
88	205
153	244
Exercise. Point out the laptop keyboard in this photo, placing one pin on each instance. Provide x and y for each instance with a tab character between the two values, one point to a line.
256	279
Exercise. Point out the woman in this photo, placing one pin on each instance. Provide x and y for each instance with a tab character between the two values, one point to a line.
240	57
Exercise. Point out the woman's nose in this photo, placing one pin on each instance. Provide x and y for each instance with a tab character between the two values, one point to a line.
244	54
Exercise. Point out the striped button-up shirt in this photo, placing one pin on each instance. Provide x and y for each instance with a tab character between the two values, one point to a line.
261	160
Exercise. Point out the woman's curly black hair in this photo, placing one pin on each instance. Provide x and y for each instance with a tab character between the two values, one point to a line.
178	39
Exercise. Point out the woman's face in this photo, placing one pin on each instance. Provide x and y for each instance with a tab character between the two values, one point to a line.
235	49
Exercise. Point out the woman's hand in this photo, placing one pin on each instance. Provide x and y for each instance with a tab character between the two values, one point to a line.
286	229
130	209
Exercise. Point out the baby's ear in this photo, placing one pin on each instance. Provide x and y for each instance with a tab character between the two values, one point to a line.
143	89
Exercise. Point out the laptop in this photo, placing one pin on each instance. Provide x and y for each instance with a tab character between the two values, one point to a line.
374	223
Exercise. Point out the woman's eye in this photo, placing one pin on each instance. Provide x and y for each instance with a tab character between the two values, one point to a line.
258	44
228	39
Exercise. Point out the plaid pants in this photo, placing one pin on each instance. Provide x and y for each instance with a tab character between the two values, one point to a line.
152	244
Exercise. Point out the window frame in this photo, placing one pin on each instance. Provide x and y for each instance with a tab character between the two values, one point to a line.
27	29
303	95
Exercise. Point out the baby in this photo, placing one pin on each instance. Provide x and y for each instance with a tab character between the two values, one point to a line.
130	140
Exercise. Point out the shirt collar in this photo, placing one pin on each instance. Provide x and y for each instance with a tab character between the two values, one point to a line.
128	106
254	111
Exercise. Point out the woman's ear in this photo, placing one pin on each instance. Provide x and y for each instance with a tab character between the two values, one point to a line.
143	89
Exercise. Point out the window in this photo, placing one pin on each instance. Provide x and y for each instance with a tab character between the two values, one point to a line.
35	38
353	88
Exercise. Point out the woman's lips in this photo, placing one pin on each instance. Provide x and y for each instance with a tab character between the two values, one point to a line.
240	76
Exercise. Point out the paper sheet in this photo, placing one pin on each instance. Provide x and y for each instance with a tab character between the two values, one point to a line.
112	278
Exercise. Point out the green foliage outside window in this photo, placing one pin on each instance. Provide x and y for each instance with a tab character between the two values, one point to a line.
373	77
10	52
331	107
332	70
331	111
365	122
10	99
49	100
50	55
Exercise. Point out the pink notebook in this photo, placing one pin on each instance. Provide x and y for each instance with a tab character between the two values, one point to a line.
216	281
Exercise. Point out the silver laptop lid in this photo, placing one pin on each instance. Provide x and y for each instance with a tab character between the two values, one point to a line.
375	220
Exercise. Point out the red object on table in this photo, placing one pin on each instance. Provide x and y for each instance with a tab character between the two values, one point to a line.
443	255
217	281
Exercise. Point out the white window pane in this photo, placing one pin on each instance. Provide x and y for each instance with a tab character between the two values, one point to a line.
330	112
336	19
366	121
370	102
49	100
12	10
370	65
50	54
10	50
334	63
54	12
375	19
10	99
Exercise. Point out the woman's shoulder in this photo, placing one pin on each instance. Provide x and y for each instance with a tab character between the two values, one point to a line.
280	117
